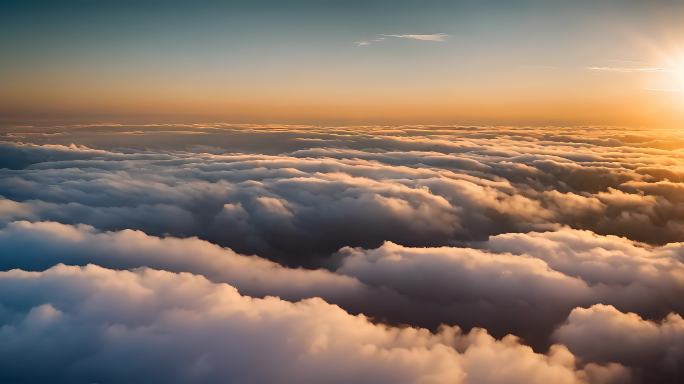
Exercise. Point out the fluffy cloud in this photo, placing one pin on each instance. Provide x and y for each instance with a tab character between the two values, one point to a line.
90	324
38	246
414	189
496	180
625	273
499	284
470	287
547	274
601	333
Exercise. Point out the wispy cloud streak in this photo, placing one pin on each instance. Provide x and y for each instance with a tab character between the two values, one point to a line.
362	43
435	37
429	37
629	69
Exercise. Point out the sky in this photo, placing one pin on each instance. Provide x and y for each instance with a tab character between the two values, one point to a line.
344	62
372	192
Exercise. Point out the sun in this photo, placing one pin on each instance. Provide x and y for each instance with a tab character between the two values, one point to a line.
668	63
679	75
676	68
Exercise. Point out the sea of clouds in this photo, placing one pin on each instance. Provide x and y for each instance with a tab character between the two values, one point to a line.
293	254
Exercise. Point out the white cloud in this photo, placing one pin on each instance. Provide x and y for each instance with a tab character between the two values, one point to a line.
427	37
92	324
629	69
551	272
362	43
604	334
437	37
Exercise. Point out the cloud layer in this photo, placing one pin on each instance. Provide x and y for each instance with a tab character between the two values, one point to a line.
368	247
310	192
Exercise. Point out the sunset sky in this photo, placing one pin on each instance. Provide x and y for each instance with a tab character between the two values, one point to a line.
532	62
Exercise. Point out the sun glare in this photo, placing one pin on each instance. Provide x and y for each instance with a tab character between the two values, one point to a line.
679	74
676	67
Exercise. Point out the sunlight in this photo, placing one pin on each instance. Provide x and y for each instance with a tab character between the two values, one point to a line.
679	74
675	66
